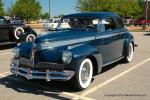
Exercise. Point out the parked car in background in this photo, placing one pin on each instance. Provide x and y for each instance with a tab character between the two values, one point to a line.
52	24
127	21
77	51
16	20
43	21
14	32
141	22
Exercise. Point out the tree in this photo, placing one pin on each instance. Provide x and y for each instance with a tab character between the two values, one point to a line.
61	15
45	16
1	8
26	9
122	7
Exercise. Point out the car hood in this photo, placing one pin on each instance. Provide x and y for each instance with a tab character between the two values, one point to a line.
67	35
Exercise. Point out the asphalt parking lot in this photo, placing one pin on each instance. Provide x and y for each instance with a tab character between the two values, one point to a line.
119	81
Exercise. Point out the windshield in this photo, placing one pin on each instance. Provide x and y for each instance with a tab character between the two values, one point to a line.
16	22
78	23
2	21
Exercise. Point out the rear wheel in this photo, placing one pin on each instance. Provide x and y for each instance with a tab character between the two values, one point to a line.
129	56
83	76
17	32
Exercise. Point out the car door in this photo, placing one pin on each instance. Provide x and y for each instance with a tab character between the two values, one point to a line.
4	30
108	41
118	38
103	41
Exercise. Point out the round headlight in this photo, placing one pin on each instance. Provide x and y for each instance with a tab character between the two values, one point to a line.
66	57
15	52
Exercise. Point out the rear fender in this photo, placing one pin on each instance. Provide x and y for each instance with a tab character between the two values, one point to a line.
126	45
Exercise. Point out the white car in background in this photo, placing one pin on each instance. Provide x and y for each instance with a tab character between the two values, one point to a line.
51	24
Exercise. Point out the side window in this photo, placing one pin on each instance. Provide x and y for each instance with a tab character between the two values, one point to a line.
109	24
2	21
119	23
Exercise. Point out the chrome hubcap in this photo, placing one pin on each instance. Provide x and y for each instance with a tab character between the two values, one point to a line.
85	71
19	32
30	38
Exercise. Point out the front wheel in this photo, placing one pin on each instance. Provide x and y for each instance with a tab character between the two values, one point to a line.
83	76
129	56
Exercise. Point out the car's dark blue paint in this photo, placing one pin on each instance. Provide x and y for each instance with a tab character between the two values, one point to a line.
110	47
129	40
25	49
100	15
65	35
103	47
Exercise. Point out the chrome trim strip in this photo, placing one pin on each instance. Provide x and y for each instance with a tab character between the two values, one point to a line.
110	35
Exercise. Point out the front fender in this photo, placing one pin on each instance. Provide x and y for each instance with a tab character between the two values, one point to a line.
82	51
25	49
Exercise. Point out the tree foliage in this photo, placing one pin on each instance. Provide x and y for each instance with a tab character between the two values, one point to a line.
1	9
26	9
60	16
45	15
122	7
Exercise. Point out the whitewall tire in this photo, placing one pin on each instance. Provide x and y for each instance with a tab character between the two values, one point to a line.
129	57
30	38
83	74
18	31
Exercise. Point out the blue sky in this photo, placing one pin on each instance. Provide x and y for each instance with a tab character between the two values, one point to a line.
57	6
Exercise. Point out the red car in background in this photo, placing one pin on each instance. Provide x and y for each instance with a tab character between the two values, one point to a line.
140	22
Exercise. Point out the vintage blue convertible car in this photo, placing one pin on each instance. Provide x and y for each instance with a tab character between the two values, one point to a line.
76	51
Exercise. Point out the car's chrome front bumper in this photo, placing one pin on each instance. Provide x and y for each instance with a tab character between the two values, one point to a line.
37	74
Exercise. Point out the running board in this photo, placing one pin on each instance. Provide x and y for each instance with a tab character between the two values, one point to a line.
6	43
111	62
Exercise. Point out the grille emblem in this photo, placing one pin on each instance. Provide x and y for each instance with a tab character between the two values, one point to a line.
32	55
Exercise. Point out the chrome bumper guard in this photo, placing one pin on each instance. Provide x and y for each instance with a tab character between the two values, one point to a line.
36	74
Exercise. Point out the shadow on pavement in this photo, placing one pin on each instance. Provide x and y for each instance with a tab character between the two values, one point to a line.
111	66
52	89
7	46
147	34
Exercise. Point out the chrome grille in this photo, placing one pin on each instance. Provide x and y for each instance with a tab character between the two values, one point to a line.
25	62
50	66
